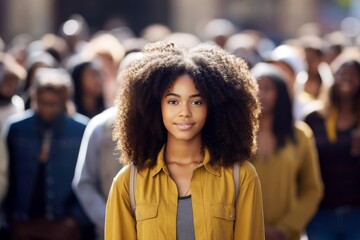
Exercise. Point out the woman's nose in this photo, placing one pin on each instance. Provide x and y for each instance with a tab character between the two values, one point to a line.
185	111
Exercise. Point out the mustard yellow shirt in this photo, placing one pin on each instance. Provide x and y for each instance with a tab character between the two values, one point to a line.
291	183
213	194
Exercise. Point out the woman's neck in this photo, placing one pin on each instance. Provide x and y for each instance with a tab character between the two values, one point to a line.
89	103
266	122
183	152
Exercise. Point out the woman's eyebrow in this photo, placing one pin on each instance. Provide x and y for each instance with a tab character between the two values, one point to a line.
177	95
195	95
173	94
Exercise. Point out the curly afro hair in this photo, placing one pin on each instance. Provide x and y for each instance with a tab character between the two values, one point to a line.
222	79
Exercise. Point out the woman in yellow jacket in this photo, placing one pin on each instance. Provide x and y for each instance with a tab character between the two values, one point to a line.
287	161
185	119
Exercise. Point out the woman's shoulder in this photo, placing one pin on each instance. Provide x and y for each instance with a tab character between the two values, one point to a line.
121	180
303	130
247	171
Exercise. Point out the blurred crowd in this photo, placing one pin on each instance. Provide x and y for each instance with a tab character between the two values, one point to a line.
58	157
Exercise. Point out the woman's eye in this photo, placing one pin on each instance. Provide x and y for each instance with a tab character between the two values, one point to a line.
197	102
173	102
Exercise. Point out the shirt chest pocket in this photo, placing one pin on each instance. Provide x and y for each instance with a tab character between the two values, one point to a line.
223	221
147	221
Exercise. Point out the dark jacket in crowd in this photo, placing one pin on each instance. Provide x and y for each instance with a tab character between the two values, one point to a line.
24	139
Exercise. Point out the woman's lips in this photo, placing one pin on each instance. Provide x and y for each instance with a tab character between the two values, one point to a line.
184	126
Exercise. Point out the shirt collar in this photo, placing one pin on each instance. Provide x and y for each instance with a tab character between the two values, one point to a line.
161	165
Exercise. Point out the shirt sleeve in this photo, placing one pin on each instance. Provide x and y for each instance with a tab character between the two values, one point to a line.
86	179
120	223
310	187
249	222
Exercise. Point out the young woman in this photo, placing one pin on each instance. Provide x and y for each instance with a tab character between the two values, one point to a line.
185	118
88	85
337	133
287	163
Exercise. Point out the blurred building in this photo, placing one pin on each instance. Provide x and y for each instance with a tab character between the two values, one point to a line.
280	18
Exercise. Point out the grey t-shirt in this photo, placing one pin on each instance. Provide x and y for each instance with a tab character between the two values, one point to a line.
185	219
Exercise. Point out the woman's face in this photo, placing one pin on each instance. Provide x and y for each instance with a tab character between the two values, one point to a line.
184	110
92	81
267	95
347	81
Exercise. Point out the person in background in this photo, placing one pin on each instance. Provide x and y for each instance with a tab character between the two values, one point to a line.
18	48
98	162
335	43
56	46
243	45
88	80
217	31
337	133
75	32
96	167
292	64
43	145
11	75
286	162
35	61
106	48
318	78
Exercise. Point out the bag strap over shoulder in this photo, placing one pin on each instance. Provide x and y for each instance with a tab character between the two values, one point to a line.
236	175
132	187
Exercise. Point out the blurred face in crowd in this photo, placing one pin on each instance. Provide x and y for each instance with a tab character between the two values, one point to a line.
313	59
183	109
267	95
347	81
332	53
49	105
289	74
8	85
108	65
92	81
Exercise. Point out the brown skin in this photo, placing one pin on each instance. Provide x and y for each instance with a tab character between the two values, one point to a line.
110	70
272	233
289	73
92	81
313	59
267	139
347	83
49	105
184	115
92	84
8	85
